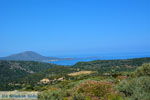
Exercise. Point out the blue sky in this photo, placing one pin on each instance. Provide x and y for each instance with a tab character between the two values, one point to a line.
74	27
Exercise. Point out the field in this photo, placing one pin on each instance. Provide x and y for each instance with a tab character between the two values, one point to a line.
80	73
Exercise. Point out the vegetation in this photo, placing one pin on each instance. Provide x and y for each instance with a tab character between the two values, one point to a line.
114	79
110	65
16	71
137	87
96	87
142	71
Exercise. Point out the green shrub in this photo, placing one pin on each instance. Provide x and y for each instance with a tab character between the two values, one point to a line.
144	70
115	97
51	95
136	88
95	89
55	94
78	97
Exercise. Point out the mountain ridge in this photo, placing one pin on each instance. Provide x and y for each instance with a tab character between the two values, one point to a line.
31	56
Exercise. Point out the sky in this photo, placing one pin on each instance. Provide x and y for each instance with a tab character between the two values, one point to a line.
75	27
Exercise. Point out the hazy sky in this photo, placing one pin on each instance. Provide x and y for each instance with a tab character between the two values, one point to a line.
67	27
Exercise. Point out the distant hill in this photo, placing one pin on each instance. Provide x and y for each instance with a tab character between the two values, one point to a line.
31	56
104	65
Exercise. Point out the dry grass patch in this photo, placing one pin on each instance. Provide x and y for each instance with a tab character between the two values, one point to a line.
81	73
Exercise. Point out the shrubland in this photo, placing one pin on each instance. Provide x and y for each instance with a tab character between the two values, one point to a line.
95	80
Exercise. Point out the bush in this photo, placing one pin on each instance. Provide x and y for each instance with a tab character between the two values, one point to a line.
95	89
136	88
55	94
144	70
51	95
115	97
78	97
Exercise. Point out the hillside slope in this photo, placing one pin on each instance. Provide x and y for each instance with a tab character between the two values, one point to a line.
104	65
11	71
28	56
30	72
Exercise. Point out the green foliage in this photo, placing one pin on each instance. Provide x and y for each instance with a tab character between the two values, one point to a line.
137	87
144	70
95	89
80	96
107	65
28	72
54	94
51	95
96	86
115	97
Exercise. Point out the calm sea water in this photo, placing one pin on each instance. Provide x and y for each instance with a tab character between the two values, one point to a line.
72	62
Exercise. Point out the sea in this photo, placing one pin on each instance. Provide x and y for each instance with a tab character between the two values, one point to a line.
92	58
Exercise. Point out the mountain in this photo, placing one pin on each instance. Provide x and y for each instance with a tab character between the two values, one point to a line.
31	56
